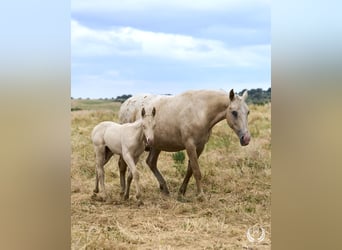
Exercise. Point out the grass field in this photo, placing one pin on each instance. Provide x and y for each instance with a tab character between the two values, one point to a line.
236	181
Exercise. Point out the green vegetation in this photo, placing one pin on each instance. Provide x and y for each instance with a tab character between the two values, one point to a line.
255	96
122	98
178	157
258	96
94	104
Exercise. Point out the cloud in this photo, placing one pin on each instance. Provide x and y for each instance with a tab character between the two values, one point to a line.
142	5
128	41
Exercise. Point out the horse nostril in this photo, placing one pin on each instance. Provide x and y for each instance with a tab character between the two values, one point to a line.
149	141
244	140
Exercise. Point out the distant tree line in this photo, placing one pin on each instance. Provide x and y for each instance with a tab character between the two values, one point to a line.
258	96
122	98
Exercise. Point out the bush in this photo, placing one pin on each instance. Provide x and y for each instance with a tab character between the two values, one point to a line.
75	109
178	157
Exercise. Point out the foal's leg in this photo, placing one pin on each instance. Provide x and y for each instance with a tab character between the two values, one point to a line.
129	181
134	172
108	155
188	174
122	168
96	189
152	163
100	152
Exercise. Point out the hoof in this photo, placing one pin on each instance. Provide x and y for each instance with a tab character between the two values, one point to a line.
164	190
166	193
182	198
201	197
140	203
96	191
97	198
122	195
109	201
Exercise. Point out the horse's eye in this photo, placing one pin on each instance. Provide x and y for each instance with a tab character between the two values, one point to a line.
235	114
248	112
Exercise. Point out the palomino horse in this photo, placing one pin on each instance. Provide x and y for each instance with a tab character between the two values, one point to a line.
128	140
185	122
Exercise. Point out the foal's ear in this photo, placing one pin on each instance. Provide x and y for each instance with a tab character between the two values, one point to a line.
143	112
231	95
244	95
153	111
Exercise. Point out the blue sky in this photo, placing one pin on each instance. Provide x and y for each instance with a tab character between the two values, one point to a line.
167	47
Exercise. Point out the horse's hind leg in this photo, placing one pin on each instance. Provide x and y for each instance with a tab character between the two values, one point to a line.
152	163
108	155
100	161
129	181
98	151
122	168
96	189
187	177
101	153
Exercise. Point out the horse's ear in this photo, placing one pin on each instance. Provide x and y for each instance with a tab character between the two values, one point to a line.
143	112
153	111
231	95
245	95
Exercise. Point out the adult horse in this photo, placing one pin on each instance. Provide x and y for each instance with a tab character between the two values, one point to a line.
185	121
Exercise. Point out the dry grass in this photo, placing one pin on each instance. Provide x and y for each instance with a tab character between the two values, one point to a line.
236	180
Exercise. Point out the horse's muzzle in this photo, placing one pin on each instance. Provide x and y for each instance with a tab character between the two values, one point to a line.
149	142
244	140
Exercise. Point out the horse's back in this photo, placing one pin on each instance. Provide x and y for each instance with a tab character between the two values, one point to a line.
130	110
178	118
97	134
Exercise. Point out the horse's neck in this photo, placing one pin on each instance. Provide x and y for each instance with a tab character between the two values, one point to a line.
217	109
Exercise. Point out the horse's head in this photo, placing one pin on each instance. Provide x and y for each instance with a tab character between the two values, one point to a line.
148	124
237	116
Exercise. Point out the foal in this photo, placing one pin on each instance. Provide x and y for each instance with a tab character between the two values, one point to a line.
127	140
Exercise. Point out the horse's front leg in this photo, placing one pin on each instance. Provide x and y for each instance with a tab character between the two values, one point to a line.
193	168
152	163
133	172
188	174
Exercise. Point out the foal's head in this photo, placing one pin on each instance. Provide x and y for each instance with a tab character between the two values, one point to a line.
148	123
237	116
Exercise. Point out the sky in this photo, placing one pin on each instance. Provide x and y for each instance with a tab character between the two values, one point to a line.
167	47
